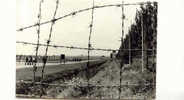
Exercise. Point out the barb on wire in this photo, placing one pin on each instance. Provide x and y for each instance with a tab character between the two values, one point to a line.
38	41
121	63
79	11
38	38
49	39
48	42
89	41
81	48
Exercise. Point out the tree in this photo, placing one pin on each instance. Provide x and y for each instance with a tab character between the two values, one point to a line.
146	21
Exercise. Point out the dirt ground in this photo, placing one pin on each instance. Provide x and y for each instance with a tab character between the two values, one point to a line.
105	83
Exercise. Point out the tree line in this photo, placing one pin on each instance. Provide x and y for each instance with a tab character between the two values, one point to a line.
144	28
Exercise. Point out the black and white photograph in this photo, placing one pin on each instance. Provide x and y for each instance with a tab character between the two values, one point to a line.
86	49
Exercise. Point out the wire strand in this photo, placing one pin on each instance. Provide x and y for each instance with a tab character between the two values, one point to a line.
79	11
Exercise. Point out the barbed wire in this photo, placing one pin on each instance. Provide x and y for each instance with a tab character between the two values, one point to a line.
122	31
83	84
50	34
73	98
38	39
89	48
79	11
89	41
81	48
48	42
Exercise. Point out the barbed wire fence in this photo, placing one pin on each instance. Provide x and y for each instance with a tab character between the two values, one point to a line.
89	48
38	39
89	41
121	63
80	48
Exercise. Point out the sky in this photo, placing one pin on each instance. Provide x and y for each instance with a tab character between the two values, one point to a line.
169	72
73	30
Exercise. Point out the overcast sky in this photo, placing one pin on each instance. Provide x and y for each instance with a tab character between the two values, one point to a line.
73	30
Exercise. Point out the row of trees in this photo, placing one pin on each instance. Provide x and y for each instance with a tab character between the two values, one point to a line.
145	24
